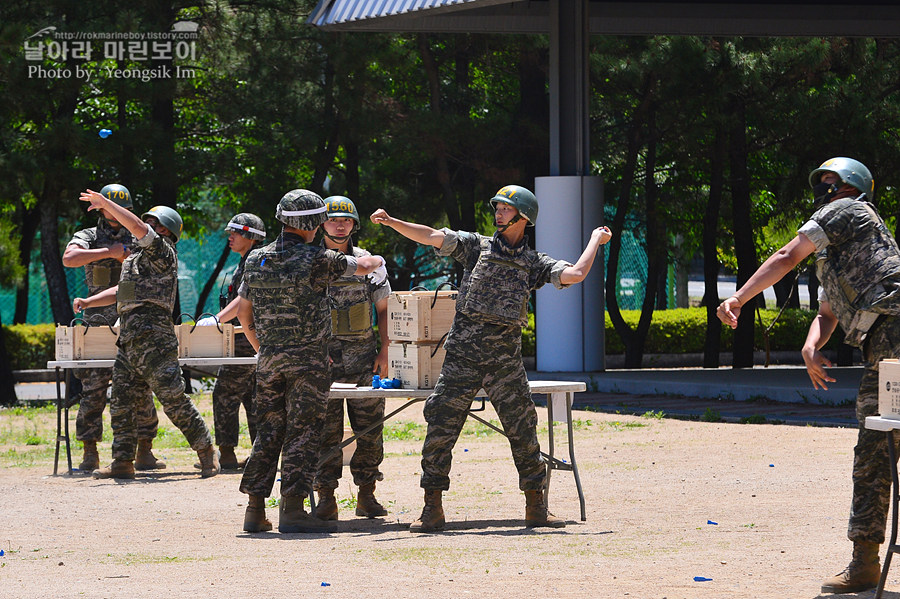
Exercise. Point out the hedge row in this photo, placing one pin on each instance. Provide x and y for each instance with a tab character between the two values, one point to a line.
679	331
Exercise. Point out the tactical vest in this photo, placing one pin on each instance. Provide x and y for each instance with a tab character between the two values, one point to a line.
861	277
103	274
497	289
140	285
287	310
351	307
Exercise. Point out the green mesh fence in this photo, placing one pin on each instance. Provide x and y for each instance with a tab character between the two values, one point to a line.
198	257
196	260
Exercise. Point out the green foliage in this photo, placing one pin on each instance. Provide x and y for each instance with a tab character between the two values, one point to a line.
528	340
30	346
683	331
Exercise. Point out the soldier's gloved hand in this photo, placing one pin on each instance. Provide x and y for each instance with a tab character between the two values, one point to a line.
209	321
378	275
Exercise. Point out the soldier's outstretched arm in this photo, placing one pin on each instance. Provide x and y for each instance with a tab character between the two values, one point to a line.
107	297
419	233
76	256
127	218
245	316
579	271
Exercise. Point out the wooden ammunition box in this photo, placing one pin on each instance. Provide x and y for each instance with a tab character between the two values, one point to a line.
417	366
889	389
205	341
86	343
420	316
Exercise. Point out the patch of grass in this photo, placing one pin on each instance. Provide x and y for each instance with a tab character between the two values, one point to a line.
132	559
348	503
620	426
754	419
657	415
711	415
403	431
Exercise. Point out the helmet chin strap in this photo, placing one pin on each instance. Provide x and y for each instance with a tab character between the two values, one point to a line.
512	221
337	240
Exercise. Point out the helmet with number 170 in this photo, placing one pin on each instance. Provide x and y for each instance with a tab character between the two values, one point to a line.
341	206
519	198
168	218
301	209
851	172
118	194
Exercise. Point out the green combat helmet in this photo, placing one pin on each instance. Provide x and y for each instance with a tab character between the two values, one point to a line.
301	209
118	194
248	225
852	172
168	218
337	206
521	199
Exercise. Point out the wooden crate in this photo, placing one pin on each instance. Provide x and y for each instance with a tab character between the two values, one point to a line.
412	319
417	366
205	341
86	343
889	389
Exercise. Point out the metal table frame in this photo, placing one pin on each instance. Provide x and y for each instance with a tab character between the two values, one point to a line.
555	391
889	426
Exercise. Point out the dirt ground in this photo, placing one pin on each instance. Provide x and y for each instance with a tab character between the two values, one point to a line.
757	511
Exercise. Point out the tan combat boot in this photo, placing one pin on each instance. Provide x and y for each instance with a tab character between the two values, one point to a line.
91	459
227	459
293	518
862	574
209	461
255	517
432	517
118	469
366	504
326	508
145	459
536	512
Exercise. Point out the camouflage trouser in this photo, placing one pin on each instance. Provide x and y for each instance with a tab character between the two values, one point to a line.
92	402
871	464
150	363
292	385
234	387
369	453
447	408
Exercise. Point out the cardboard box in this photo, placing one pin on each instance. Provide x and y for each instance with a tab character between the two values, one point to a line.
418	366
205	341
79	342
420	316
889	389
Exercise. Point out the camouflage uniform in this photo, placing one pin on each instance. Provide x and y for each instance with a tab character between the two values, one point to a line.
484	349
858	263
287	284
148	349
234	384
352	349
101	275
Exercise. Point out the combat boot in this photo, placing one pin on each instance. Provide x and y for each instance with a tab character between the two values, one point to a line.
118	469
862	574
255	517
366	504
293	518
145	459
209	461
536	512
227	459
91	459
326	508
432	517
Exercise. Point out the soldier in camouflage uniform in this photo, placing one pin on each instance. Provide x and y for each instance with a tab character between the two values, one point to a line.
355	357
101	250
858	263
285	313
484	345
235	384
148	348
